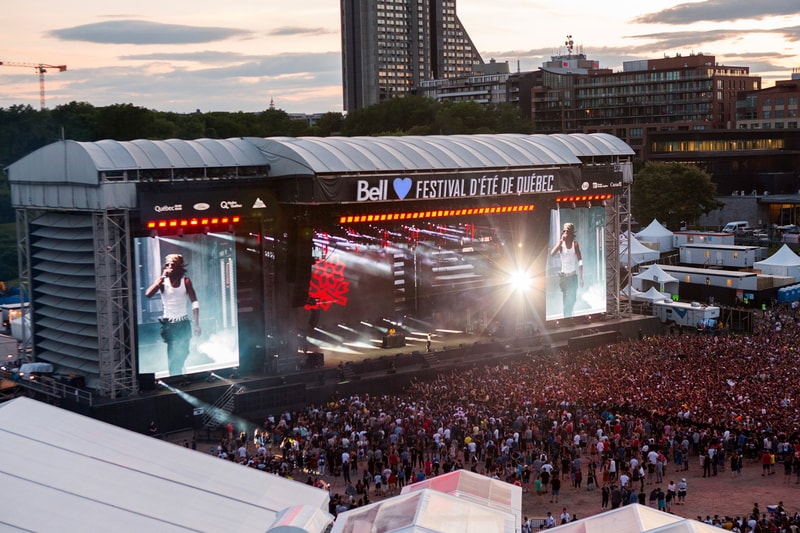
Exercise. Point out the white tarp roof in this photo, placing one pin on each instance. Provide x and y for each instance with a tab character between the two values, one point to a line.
782	258
68	472
424	511
635	518
652	295
655	276
784	262
639	252
655	232
476	488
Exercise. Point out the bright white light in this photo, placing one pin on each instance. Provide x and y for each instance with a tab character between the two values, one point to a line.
520	281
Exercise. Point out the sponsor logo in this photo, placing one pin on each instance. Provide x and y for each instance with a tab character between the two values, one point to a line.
401	187
168	208
201	206
585	186
230	204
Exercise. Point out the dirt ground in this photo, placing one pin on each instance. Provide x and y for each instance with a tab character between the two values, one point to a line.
721	495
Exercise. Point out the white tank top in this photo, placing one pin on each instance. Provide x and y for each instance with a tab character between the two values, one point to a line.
569	259
174	299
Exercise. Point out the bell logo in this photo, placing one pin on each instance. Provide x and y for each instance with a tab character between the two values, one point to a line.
366	193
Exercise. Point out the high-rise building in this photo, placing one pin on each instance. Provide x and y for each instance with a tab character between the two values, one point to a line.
772	108
390	46
681	93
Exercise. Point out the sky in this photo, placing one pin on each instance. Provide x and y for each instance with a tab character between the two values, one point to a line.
242	55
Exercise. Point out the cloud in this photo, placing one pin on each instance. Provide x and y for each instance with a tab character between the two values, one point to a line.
290	31
720	10
144	32
297	82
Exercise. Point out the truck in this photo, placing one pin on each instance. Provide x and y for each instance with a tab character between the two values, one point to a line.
687	314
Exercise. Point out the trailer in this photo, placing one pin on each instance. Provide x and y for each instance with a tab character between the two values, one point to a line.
687	314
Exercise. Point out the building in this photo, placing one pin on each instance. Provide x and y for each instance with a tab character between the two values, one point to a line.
489	85
771	108
755	171
681	93
389	47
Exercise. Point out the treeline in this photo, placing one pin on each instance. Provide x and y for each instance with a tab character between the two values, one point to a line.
24	129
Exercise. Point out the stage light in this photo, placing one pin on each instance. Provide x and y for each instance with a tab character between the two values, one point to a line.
520	281
180	232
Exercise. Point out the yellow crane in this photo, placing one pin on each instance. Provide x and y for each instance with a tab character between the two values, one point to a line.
40	68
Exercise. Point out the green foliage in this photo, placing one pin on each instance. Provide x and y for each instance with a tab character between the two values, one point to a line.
671	193
9	265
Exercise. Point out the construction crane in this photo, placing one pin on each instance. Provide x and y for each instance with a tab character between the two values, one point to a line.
40	68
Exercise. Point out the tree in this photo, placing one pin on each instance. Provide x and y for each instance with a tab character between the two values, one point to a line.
672	193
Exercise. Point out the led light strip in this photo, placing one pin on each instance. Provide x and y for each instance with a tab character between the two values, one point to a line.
436	213
584	198
191	222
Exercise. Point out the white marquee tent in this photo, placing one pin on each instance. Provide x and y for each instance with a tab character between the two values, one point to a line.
639	252
635	518
67	472
655	232
656	277
652	295
784	262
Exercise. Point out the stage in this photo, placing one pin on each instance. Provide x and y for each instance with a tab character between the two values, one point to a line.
302	381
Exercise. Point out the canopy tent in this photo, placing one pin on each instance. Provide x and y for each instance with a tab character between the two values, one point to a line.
784	262
655	232
635	518
475	488
655	276
630	293
639	253
70	470
652	295
425	510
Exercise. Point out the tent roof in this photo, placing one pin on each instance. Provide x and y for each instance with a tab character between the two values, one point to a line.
635	518
68	467
652	295
656	273
655	229
474	487
424	510
783	257
636	247
82	162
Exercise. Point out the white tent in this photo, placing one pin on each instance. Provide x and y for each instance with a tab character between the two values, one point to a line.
67	472
655	276
655	232
425	510
784	262
639	252
635	518
475	488
652	295
630	293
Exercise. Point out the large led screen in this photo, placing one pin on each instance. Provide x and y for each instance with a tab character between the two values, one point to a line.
170	341
576	274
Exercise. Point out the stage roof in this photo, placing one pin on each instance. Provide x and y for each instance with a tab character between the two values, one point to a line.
82	162
67	472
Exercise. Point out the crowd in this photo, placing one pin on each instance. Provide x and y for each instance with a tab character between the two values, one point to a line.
617	418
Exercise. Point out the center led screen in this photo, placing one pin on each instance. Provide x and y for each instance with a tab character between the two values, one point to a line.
185	327
576	274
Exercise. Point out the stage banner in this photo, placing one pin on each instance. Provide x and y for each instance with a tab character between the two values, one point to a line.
463	185
194	202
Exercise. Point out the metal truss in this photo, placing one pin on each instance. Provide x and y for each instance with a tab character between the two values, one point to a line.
115	316
617	220
24	258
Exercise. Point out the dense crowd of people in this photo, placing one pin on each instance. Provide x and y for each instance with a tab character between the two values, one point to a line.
617	418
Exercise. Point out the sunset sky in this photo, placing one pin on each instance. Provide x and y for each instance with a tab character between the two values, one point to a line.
238	56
